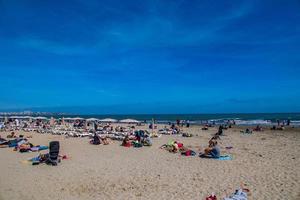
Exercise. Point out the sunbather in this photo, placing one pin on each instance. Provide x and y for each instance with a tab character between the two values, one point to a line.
126	142
213	150
147	141
105	141
12	135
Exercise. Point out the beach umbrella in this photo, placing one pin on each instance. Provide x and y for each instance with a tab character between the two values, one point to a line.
92	119
107	120
129	121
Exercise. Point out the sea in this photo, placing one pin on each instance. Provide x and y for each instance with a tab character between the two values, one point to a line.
239	118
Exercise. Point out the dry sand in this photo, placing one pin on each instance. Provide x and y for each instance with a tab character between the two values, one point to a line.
268	163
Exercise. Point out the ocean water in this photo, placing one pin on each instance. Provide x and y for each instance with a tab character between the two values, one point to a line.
240	119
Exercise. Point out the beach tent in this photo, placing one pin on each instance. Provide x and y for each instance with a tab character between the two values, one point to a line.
129	121
92	119
108	120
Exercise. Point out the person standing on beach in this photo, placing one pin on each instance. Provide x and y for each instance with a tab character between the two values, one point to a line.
188	123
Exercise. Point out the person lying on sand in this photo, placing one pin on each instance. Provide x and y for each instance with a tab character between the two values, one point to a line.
24	147
105	141
172	146
12	135
213	150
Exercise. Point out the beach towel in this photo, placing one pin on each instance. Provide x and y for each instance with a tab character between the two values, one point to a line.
222	157
238	195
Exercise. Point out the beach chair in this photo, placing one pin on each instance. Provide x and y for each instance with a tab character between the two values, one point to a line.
52	158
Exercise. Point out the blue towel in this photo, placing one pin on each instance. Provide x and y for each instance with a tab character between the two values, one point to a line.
225	157
43	148
222	157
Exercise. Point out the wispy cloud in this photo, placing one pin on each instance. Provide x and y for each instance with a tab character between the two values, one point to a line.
52	46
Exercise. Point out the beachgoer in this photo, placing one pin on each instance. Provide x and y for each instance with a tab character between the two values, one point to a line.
147	140
213	150
12	135
105	141
188	123
95	140
126	141
220	130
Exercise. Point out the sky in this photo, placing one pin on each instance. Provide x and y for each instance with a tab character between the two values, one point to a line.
150	56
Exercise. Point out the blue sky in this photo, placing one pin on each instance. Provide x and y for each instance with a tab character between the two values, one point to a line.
142	56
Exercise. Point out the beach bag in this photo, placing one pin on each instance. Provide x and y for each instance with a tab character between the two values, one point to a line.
189	153
137	144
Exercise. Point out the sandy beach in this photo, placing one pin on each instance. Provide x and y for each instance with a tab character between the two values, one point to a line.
267	163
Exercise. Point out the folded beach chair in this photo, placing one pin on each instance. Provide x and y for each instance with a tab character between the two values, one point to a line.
52	158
